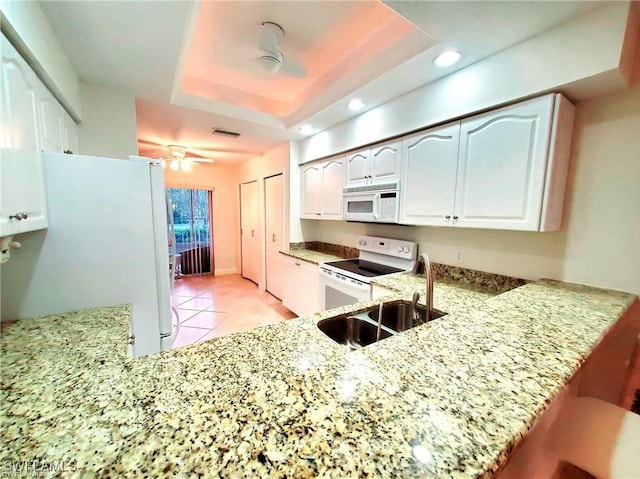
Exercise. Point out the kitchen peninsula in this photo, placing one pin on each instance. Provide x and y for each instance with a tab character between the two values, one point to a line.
451	398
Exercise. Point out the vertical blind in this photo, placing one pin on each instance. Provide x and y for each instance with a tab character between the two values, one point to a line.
192	220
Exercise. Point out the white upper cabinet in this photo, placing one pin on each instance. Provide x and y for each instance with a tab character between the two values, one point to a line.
376	165
385	162
321	189
430	166
22	198
51	120
69	134
311	184
357	168
511	162
506	169
59	133
331	196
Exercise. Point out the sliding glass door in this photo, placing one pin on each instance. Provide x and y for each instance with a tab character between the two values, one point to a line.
194	239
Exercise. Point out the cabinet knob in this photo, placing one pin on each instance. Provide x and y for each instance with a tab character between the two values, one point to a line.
455	217
447	216
319	214
273	237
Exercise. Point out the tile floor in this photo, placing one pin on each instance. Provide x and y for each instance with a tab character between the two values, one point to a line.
213	306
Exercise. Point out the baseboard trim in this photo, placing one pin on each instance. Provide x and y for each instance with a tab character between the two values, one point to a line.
220	272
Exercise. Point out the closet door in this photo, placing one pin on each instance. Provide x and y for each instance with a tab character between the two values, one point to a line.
249	231
274	240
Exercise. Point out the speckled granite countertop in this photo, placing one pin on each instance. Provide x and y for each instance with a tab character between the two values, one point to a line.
447	399
311	256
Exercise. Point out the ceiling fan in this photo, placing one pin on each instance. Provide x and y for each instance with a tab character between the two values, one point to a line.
176	157
271	58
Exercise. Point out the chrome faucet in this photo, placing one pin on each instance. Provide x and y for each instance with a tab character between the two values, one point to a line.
424	265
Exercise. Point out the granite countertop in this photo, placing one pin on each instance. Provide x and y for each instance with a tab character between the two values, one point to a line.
315	257
447	399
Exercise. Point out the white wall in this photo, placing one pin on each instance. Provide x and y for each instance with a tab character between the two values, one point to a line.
109	125
599	243
26	26
271	163
580	58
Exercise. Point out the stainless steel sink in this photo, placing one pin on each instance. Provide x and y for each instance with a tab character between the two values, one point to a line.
399	315
353	331
359	330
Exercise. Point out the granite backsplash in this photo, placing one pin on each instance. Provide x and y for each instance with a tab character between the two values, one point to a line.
480	280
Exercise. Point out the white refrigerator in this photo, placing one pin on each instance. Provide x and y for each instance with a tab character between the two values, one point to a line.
107	244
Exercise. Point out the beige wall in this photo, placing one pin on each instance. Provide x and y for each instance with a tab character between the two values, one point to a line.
273	162
599	243
108	127
223	180
603	228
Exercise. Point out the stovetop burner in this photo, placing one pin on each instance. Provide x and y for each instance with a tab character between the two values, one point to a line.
363	267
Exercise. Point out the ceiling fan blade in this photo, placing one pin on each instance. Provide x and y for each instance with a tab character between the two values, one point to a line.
292	69
203	160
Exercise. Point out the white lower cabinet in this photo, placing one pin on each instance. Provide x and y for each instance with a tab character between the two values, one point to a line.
505	169
22	194
301	292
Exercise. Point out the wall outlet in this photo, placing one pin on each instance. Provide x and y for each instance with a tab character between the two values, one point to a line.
459	256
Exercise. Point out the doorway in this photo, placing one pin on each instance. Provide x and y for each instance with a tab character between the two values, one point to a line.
249	231
192	227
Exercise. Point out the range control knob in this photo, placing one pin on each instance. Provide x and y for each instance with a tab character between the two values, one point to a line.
362	242
400	249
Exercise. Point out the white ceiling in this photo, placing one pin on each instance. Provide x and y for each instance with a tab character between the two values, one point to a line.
192	65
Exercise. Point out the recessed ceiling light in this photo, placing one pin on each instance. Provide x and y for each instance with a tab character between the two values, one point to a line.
446	59
355	105
306	129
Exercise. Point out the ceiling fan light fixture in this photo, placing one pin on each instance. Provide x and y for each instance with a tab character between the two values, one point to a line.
186	165
271	62
177	151
447	58
175	165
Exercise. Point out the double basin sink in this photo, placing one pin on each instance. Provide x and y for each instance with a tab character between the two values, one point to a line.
359	330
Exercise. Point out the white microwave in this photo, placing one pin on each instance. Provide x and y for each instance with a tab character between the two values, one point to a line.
372	203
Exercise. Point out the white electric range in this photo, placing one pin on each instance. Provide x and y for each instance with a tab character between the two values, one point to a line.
349	281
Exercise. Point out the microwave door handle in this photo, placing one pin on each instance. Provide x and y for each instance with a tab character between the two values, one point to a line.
376	205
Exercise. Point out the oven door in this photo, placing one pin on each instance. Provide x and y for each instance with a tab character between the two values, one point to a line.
337	290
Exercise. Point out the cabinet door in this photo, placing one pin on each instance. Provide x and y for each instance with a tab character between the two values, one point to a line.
273	207
249	232
332	189
302	287
22	182
501	169
69	134
357	168
311	185
429	167
51	138
385	162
